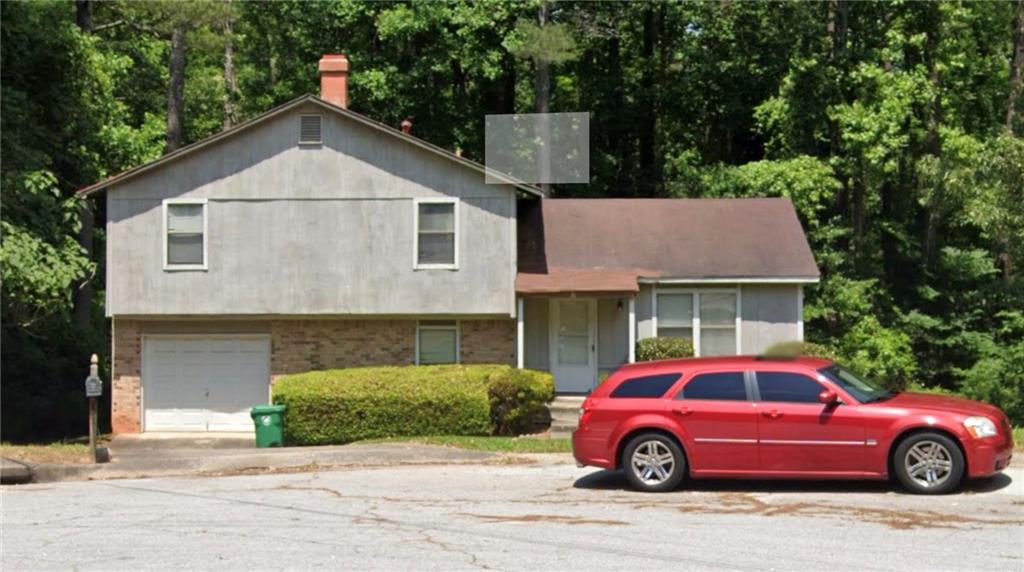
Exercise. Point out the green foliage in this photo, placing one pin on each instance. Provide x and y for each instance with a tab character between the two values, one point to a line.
796	348
998	375
880	353
345	405
650	349
518	399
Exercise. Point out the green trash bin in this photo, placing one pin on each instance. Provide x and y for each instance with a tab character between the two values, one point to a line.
269	420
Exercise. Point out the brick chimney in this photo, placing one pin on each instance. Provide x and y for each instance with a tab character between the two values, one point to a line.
334	79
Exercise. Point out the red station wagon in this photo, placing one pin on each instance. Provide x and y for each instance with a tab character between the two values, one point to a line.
805	418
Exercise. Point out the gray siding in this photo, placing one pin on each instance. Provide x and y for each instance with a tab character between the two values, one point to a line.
310	230
612	333
768	313
535	334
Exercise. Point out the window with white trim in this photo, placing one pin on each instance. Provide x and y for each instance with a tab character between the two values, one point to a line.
185	234
437	224
437	342
706	318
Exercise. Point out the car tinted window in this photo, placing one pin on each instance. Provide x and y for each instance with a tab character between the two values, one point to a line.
788	387
646	386
725	386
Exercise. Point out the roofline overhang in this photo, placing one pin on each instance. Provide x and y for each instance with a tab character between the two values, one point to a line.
733	280
307	98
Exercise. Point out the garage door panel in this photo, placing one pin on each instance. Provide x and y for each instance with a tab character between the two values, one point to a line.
199	384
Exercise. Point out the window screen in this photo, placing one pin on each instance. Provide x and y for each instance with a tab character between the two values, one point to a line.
675	315
438	342
725	386
185	227
436	233
646	386
787	387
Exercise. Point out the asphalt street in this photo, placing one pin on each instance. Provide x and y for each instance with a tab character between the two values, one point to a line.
504	516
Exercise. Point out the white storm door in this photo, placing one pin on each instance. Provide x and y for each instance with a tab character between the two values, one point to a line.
573	344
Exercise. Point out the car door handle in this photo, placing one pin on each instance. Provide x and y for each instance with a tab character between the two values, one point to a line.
682	410
774	414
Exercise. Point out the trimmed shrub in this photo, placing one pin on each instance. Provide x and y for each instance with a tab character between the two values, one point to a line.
518	399
344	405
796	348
650	349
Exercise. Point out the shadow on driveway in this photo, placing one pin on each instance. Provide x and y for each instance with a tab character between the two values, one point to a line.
616	481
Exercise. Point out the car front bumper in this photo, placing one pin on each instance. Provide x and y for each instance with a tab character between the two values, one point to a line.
985	459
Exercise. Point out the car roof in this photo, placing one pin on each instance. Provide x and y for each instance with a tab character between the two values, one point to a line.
745	362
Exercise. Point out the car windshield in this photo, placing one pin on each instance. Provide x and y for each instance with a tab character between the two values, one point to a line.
863	390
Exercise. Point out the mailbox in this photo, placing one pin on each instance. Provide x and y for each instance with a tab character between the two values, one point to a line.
93	386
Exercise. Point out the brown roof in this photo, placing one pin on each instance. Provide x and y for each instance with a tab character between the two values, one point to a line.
567	245
189	149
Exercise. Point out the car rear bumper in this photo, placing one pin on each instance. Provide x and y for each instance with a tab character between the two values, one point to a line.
590	450
986	459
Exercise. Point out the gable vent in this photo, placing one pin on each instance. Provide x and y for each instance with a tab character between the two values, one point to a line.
309	128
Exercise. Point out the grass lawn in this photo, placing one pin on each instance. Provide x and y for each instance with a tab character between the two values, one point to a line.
1018	439
59	453
497	444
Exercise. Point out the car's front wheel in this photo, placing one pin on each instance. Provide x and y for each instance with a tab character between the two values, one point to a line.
929	463
653	463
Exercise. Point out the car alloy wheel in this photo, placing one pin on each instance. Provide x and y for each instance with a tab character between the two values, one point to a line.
928	463
653	463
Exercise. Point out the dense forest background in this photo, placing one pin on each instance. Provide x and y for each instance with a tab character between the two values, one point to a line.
893	126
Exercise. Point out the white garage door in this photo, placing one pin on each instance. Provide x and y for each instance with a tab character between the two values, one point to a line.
204	384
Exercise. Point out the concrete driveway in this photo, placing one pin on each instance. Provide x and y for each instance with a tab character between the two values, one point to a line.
546	515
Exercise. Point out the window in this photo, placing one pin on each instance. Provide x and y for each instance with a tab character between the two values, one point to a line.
649	386
725	386
717	324
675	315
437	233
437	341
787	387
708	318
310	127
185	234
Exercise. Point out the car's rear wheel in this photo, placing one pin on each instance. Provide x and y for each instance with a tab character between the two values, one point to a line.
653	463
929	463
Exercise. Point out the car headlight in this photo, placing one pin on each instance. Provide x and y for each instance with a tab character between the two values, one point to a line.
980	426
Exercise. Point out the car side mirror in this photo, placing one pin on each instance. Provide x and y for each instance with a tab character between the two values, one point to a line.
828	397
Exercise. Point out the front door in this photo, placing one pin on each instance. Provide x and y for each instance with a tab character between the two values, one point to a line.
574	344
798	434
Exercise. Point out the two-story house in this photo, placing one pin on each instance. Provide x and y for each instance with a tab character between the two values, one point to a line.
312	237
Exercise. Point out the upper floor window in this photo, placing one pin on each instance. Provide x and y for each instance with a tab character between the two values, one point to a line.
707	318
437	228
185	232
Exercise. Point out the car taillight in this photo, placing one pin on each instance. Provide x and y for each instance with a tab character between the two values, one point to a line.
585	412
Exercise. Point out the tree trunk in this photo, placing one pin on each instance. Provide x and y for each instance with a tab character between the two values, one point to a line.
230	79
542	102
1016	68
933	140
83	15
176	89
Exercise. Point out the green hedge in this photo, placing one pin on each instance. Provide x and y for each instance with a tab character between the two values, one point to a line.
345	405
649	349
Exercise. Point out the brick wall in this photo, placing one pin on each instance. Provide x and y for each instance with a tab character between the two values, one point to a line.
488	341
126	388
304	345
